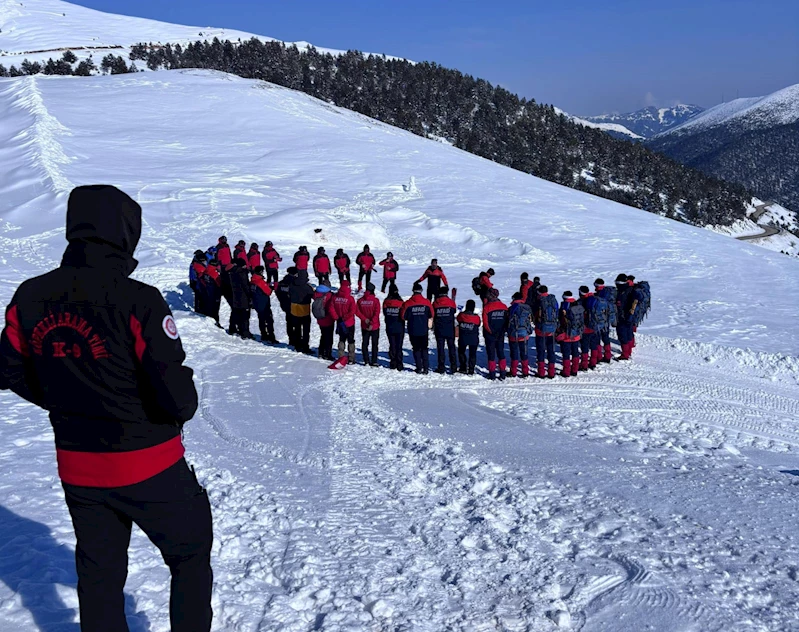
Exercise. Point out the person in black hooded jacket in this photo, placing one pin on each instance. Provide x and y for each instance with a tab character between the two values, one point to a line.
101	352
300	299
240	299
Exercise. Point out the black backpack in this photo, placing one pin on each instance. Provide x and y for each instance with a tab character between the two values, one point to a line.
476	285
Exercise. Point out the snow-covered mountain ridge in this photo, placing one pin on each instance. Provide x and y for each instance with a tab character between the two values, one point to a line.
650	121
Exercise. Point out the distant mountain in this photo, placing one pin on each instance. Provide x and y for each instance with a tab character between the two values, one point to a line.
650	121
753	142
614	129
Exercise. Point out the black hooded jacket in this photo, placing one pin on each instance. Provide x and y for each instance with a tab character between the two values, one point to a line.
100	351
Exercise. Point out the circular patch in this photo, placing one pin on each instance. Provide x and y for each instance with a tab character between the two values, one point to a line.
170	328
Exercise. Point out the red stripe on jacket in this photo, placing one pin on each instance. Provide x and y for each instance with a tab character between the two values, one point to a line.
117	469
14	332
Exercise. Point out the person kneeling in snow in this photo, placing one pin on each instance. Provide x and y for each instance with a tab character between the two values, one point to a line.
101	352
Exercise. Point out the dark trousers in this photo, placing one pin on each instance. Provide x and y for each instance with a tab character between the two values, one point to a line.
518	350
604	337
240	321
292	330
467	360
323	279
624	333
443	344
386	283
173	510
495	348
370	338
271	275
364	273
343	275
545	348
432	294
326	342
302	326
569	350
421	351
395	350
266	324
589	342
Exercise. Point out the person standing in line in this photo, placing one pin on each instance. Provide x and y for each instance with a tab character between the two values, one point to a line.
366	263
390	269
444	312
570	332
301	294
468	338
520	326
223	252
596	322
320	308
272	261
607	294
284	300
395	327
343	308
240	300
495	324
102	354
546	323
301	259
435	279
342	263
321	267
417	312
262	303
240	251
368	310
625	310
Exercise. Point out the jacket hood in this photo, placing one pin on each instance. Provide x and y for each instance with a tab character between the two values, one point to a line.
344	290
104	214
301	278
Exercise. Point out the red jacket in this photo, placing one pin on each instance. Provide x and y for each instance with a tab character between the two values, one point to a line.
342	262
368	309
485	281
366	260
301	260
271	259
240	253
437	272
328	320
494	306
223	254
261	284
390	267
253	259
526	289
342	306
321	264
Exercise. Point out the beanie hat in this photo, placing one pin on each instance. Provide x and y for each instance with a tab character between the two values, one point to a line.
525	276
493	294
630	277
543	289
490	272
258	270
417	288
443	291
517	296
584	290
291	270
599	282
470	305
536	278
622	278
370	287
320	249
567	294
389	254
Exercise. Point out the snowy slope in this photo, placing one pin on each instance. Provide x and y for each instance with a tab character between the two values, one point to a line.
614	128
39	29
655	495
778	108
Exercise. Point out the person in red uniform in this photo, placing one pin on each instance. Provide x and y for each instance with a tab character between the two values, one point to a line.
366	263
390	269
272	261
342	263
101	353
485	284
468	338
240	251
301	258
342	309
444	312
368	310
253	257
322	297
223	252
321	266
395	328
435	279
417	312
495	324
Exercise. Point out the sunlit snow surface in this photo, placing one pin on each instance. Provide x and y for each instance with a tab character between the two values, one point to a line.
656	495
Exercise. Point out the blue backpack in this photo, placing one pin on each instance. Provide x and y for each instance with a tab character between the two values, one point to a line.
609	294
575	316
598	313
548	313
644	297
519	322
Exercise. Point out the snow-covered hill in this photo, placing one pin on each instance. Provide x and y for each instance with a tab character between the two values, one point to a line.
778	108
649	121
654	494
39	29
615	129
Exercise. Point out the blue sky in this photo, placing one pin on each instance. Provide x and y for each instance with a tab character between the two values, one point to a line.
586	57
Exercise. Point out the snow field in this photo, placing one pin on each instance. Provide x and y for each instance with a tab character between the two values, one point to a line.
657	494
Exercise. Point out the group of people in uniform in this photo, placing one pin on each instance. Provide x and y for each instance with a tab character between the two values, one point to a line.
580	324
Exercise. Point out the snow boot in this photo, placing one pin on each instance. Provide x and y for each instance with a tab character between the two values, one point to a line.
525	368
492	369
351	352
584	362
575	365
608	354
567	369
503	367
594	358
552	371
514	367
542	369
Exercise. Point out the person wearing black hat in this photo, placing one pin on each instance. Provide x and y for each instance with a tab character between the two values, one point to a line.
417	312
435	279
495	326
485	284
321	266
101	352
197	268
545	319
625	309
342	263
570	332
367	309
395	327
468	338
366	263
608	294
272	259
240	300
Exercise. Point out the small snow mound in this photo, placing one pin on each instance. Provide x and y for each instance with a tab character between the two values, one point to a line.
411	186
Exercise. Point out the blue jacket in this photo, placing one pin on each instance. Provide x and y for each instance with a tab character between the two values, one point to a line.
392	308
444	310
417	311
